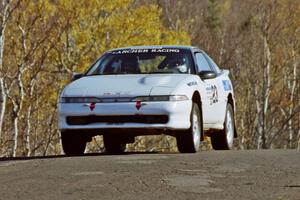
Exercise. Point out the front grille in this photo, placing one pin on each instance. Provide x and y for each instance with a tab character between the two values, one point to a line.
146	119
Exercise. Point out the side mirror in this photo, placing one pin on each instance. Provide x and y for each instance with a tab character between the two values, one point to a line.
77	76
207	75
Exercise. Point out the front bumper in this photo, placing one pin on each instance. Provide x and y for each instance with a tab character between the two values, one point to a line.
178	113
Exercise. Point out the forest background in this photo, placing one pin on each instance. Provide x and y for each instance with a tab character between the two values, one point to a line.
42	42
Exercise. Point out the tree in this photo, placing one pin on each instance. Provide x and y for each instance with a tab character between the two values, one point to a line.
7	8
48	41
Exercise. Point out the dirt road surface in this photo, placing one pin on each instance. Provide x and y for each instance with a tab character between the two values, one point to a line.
225	175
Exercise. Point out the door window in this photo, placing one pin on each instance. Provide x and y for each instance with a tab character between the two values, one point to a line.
202	63
213	64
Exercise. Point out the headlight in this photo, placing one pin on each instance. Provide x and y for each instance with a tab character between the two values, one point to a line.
62	100
162	98
178	98
79	100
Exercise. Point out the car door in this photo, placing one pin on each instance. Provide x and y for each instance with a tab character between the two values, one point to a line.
224	88
212	98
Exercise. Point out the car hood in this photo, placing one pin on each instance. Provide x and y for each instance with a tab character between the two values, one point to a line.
124	85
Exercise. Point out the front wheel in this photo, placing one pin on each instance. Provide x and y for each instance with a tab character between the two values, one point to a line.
223	140
73	144
189	141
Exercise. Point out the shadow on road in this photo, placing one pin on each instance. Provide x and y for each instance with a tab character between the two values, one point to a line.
85	155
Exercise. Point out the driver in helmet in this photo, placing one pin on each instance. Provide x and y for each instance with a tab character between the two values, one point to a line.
178	64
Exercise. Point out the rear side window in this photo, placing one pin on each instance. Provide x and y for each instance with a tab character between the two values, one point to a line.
202	63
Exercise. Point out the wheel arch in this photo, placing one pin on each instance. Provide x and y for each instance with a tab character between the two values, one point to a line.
230	100
197	99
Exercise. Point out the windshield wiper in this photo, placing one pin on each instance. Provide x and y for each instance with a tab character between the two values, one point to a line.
163	72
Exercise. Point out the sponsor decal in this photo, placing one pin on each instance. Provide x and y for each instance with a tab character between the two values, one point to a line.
192	83
154	50
92	106
227	85
215	97
212	93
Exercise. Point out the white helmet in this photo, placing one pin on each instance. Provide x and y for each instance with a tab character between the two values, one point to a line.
180	65
182	68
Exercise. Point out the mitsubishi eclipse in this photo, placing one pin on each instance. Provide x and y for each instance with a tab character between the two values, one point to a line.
149	90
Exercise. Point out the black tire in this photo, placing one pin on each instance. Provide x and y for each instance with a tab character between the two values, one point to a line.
114	145
73	144
189	141
221	140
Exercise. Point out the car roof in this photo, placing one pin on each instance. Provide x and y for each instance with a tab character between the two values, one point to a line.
158	47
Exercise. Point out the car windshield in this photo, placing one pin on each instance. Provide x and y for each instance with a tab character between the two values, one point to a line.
143	61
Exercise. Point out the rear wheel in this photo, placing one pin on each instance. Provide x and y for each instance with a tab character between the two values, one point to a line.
189	141
73	144
223	140
114	145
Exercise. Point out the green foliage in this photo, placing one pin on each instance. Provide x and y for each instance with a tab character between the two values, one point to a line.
96	26
214	15
48	40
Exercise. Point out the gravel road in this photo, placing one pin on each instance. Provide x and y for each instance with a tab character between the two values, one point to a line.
226	175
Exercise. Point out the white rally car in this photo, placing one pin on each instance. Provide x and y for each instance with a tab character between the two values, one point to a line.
148	90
